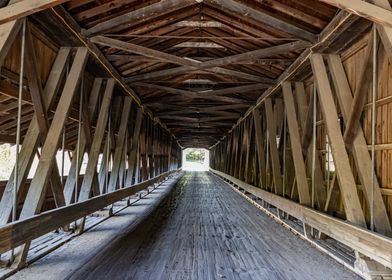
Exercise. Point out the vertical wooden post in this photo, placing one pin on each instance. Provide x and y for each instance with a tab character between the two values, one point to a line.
170	153
296	149
97	141
119	144
69	186
149	151
250	149
260	146
303	111
143	152
271	127
228	157
132	159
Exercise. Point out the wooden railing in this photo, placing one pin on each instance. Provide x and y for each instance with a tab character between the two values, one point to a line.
370	244
21	231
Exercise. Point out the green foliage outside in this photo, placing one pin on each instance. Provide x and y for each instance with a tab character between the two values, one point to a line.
195	155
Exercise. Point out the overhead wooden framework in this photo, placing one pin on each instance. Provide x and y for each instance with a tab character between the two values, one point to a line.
146	49
282	93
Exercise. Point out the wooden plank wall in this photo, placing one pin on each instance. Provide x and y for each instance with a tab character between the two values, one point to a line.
383	112
226	156
352	60
45	52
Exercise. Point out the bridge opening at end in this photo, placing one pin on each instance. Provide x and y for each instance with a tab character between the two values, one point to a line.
195	159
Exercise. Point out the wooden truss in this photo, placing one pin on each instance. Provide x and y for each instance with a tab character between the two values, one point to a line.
71	113
272	155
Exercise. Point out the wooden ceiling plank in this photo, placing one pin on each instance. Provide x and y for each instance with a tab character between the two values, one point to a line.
237	27
199	24
102	8
295	12
237	8
165	22
198	45
197	111
73	4
139	14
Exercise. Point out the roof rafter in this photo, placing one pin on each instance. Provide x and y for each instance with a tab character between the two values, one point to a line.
186	94
364	9
207	65
261	16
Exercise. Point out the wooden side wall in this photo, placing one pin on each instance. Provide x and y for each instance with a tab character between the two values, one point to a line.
239	149
158	153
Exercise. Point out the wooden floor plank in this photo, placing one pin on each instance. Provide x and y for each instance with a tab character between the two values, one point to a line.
205	230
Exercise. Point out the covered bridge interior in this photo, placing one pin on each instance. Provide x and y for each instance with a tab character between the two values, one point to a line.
292	99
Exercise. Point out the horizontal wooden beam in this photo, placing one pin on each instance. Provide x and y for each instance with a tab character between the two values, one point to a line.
196	111
7	139
139	58
186	94
256	54
371	244
199	24
137	49
197	125
216	92
205	108
199	45
188	64
22	231
215	64
198	82
149	11
199	119
26	7
364	9
239	89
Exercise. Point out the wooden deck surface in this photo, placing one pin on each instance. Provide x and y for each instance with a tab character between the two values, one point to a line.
207	231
